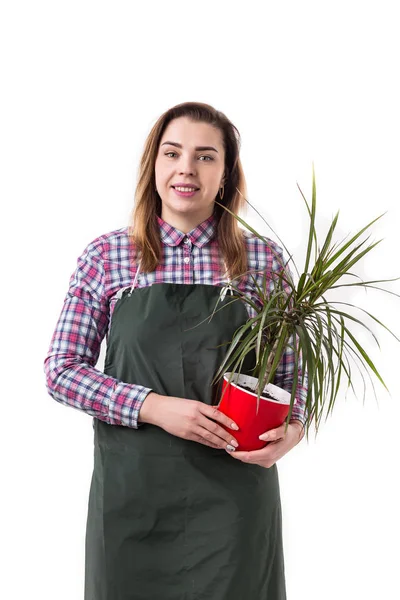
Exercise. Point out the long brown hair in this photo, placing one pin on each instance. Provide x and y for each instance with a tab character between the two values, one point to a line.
144	229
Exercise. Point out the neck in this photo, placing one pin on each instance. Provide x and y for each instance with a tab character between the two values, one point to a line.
184	223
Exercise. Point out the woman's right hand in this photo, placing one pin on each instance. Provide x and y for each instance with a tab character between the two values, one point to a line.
189	419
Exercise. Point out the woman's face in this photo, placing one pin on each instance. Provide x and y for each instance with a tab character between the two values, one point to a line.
190	153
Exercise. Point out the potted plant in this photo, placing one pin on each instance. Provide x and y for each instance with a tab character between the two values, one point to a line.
298	313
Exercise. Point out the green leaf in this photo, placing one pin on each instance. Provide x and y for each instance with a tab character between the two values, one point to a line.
365	356
312	238
352	240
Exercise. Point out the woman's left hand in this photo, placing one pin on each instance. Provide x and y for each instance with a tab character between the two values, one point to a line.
279	444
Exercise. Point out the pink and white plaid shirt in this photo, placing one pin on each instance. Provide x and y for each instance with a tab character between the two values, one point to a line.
105	267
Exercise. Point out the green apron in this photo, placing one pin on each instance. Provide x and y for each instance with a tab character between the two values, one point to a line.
168	518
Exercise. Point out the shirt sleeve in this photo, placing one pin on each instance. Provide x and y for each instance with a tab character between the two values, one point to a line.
69	366
285	371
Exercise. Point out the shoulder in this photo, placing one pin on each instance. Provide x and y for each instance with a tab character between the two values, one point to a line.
263	253
112	244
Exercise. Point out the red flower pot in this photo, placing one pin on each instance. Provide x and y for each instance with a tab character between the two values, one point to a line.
241	406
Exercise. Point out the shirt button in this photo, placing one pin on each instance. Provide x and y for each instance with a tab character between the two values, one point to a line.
186	259
185	241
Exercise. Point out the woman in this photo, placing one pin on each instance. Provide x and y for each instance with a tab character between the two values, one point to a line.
171	515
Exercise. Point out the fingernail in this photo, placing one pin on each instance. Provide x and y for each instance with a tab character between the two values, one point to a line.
264	437
234	426
230	448
234	443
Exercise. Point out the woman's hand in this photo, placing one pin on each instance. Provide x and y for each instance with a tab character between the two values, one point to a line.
188	419
279	444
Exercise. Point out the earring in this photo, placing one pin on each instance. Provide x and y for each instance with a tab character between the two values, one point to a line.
221	194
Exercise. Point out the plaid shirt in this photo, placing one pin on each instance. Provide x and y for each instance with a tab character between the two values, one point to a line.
106	267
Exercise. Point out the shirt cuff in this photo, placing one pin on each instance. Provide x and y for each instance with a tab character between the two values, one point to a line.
299	411
125	404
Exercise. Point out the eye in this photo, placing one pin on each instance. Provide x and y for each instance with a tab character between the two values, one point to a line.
209	158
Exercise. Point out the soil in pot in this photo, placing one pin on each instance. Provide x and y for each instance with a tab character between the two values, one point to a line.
263	394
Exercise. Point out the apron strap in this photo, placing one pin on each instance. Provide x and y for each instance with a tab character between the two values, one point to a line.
228	286
136	278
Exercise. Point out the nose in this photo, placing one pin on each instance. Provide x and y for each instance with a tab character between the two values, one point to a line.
187	165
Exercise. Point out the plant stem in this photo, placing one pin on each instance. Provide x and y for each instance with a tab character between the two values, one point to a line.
271	360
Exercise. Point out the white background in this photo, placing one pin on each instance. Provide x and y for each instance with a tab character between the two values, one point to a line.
82	84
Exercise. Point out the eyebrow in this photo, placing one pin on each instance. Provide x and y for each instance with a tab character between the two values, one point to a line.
197	147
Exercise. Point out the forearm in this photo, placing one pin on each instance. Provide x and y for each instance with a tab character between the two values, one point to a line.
81	386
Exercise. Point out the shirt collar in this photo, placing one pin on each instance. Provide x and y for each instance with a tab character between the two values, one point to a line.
199	236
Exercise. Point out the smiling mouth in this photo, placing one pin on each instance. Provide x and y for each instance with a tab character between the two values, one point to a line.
182	188
185	194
